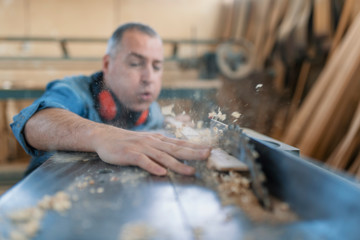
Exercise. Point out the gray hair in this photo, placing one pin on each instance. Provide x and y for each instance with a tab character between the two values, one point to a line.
115	40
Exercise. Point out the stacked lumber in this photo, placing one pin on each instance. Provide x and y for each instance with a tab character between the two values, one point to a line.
327	124
277	32
313	48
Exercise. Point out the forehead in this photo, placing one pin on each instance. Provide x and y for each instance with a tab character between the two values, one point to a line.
134	41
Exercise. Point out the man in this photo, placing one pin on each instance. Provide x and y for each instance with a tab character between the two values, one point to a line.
92	113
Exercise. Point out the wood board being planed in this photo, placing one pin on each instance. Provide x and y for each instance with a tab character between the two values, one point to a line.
219	159
222	161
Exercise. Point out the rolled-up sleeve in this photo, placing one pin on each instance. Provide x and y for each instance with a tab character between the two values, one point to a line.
58	94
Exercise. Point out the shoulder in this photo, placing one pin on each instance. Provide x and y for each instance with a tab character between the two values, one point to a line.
155	109
156	117
74	82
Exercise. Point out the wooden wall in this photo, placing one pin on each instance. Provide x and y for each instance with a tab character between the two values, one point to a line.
180	19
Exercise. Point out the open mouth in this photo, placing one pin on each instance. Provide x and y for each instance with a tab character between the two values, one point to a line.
146	96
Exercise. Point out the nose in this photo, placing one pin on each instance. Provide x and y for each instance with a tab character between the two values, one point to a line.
147	75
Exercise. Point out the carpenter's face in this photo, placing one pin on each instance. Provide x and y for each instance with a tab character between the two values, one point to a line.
134	74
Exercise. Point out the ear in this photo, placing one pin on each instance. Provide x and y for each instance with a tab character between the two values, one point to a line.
105	63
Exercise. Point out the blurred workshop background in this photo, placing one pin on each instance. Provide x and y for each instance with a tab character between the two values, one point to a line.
290	67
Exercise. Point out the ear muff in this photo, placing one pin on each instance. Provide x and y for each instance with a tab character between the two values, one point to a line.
143	117
108	109
107	105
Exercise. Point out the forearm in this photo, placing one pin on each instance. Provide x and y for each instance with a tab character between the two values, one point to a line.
59	129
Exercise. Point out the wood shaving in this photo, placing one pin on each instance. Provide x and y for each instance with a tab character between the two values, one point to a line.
199	124
198	233
234	188
60	202
18	235
217	116
114	179
168	110
30	228
100	190
64	157
235	114
24	215
137	231
26	221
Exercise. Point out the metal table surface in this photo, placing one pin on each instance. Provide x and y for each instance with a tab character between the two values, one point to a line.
175	207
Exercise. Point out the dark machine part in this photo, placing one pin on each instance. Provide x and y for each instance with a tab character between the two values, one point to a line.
236	60
236	143
326	199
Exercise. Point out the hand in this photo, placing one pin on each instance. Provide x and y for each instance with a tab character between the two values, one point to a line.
150	151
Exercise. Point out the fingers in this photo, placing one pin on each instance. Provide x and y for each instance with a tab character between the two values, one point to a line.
170	162
184	153
185	143
149	159
181	149
154	153
147	164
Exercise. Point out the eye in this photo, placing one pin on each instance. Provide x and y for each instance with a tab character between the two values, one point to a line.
157	67
135	64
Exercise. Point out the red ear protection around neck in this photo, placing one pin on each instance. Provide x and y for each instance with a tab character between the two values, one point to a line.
108	108
142	118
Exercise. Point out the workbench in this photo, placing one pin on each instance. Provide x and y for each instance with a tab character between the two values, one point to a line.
113	202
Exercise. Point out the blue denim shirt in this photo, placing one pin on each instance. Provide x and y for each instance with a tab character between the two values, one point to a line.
73	94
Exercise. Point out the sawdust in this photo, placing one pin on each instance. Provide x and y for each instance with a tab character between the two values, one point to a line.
234	188
66	157
26	222
132	176
235	114
198	233
168	110
217	115
137	231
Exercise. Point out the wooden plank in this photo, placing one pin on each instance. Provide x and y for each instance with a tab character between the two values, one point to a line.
280	71
242	19
229	19
300	86
222	161
344	79
355	165
277	13
342	25
301	29
290	20
340	121
251	27
262	25
357	160
286	34
322	22
350	144
310	106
